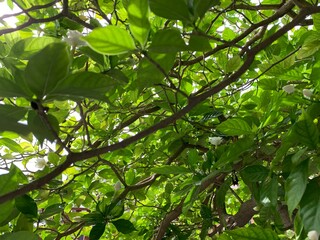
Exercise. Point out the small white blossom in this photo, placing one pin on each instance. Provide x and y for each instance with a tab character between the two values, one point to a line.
215	140
40	163
288	88
307	93
73	38
313	235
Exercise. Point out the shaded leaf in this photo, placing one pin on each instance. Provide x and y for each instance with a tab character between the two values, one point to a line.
26	205
124	226
83	85
52	210
254	173
249	233
167	40
296	184
175	10
170	170
46	68
310	206
20	235
97	231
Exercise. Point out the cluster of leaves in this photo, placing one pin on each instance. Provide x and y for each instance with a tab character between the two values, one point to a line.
167	119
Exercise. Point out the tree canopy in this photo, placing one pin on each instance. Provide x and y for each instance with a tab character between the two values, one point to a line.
160	119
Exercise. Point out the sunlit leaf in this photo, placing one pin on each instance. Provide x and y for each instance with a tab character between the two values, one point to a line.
234	126
110	40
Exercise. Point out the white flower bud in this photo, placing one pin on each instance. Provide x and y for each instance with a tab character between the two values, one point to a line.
313	235
307	93
73	38
40	163
215	140
288	88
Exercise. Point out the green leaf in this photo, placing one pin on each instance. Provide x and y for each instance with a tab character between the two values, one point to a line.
46	68
249	233
167	40
114	211
170	170
174	10
234	126
25	48
254	173
110	40
233	152
306	131
11	180
205	212
24	223
93	218
10	89
316	21
124	226
138	13
21	235
199	43
269	192
233	64
153	71
26	205
201	7
310	206
52	210
7	124
97	231
13	112
12	145
84	85
6	210
296	184
40	129
191	198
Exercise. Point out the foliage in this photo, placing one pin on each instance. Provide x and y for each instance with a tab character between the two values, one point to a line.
160	119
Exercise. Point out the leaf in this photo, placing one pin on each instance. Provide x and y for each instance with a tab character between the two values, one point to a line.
306	131
46	68
26	205
153	71
114	211
20	235
233	152
201	7
191	198
295	185
233	64
167	40
310	206
11	180
269	192
124	226
110	40
24	223
97	231
199	43
25	48
316	21
254	173
9	89
52	210
6	210
40	129
138	13
249	233
12	145
170	170
84	85
174	10
234	127
13	112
